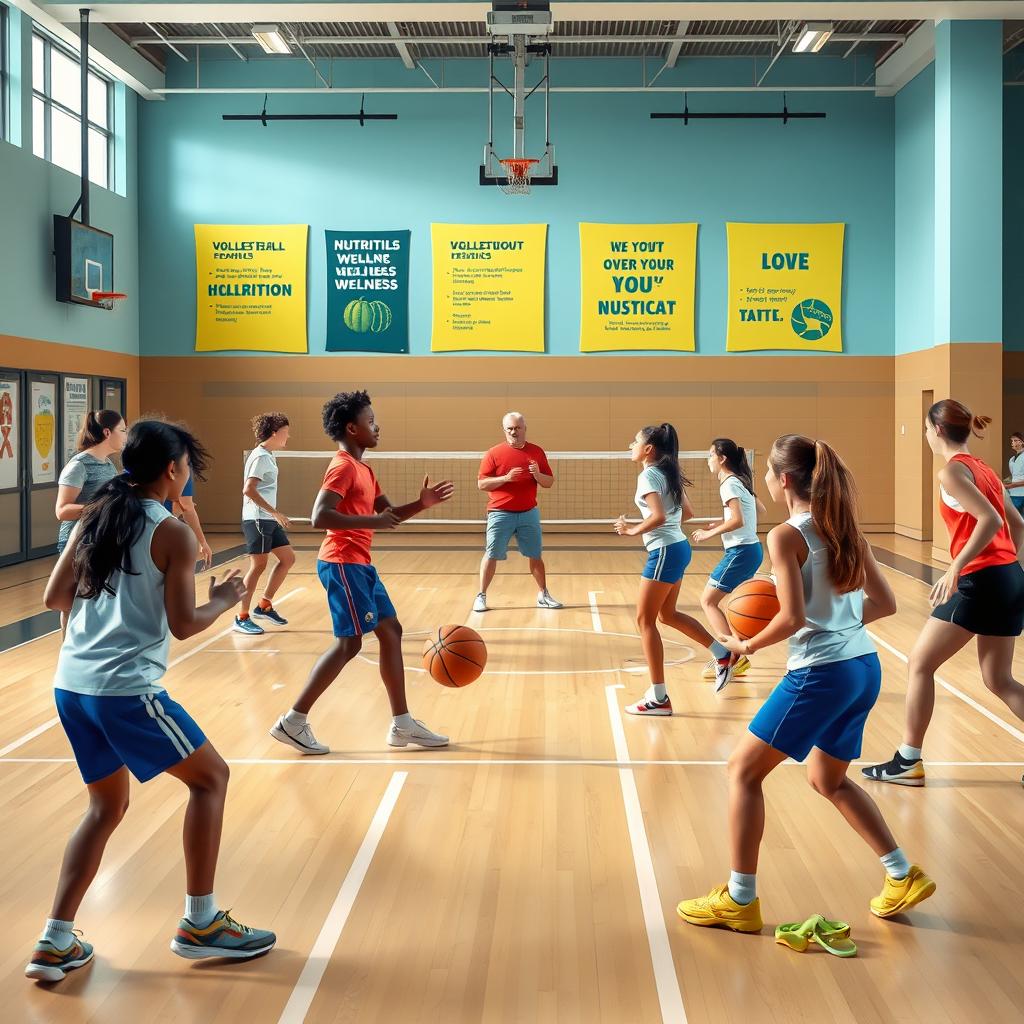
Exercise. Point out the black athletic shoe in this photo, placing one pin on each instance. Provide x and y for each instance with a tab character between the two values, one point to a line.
269	613
900	770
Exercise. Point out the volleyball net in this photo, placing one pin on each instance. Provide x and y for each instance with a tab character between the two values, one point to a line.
590	489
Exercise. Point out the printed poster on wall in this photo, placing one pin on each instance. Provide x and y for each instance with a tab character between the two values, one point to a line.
251	287
76	405
368	291
785	287
488	287
637	286
42	407
9	440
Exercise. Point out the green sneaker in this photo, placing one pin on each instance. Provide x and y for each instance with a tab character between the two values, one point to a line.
49	963
223	936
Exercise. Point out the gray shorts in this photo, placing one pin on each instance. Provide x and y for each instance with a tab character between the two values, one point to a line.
524	526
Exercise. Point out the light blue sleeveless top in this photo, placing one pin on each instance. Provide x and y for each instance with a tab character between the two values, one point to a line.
117	646
834	627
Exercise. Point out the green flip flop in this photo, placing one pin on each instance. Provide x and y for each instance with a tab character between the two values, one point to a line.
797	935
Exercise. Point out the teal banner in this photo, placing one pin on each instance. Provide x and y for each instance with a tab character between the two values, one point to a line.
368	291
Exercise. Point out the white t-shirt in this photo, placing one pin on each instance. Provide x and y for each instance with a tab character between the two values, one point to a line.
652	481
1017	473
262	465
732	487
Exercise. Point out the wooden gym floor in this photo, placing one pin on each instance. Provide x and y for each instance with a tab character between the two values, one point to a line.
530	872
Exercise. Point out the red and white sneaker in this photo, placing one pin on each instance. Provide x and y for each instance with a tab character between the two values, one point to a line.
650	707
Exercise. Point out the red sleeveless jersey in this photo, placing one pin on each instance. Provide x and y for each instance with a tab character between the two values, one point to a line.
1000	550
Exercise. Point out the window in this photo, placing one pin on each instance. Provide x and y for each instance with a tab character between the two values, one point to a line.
5	76
57	109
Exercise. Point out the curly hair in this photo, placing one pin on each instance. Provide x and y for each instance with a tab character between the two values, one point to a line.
341	410
267	424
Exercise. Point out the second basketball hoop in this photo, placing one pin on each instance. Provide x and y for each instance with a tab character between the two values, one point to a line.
519	30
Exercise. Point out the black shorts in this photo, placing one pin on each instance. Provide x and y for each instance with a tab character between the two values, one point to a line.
263	535
989	602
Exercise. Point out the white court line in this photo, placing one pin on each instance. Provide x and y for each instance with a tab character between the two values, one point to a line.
242	650
950	688
535	762
595	614
40	729
301	999
667	983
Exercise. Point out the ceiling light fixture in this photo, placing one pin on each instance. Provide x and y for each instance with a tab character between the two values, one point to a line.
813	36
270	38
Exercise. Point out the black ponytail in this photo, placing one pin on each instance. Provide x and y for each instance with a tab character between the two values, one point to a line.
665	442
735	460
114	520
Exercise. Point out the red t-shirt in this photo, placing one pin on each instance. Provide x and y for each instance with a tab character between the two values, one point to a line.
518	495
358	487
960	524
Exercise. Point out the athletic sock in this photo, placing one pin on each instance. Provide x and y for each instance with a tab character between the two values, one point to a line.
266	603
742	888
896	864
404	721
909	753
296	718
243	615
720	651
657	692
60	933
200	910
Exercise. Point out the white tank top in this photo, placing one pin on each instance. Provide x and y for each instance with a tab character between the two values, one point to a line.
834	627
117	646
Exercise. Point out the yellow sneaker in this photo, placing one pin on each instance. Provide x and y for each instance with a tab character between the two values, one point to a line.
718	908
899	895
739	669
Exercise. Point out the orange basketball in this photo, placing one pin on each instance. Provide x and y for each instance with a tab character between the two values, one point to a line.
455	655
751	607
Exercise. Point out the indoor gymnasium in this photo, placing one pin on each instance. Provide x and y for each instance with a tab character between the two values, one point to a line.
512	512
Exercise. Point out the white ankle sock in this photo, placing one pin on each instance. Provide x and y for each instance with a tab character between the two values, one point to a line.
405	721
896	864
200	910
657	692
296	718
60	933
909	753
742	888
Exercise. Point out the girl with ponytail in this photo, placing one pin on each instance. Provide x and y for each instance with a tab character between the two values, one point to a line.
661	499
829	588
738	530
981	594
127	581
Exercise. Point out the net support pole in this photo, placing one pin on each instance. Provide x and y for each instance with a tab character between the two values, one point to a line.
519	99
83	16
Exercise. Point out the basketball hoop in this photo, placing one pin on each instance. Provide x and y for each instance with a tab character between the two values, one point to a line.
106	300
518	170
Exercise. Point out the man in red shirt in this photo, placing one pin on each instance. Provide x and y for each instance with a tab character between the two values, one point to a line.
350	506
510	473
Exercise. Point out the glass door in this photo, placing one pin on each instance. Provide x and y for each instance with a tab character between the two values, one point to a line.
13	535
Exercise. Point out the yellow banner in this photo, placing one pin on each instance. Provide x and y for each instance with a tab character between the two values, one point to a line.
637	286
251	287
785	287
488	287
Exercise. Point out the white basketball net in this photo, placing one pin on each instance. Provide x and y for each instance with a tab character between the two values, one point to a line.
518	172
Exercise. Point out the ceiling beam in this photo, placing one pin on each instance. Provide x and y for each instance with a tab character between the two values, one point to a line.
401	47
673	51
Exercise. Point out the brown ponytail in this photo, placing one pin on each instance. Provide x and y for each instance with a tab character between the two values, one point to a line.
817	474
96	421
957	421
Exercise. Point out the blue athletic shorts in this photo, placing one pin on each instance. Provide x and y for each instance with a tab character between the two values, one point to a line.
1018	503
147	734
524	526
356	597
738	565
667	564
823	706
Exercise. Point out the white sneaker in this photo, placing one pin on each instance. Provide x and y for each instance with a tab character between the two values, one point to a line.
418	733
545	600
480	603
724	671
302	739
710	669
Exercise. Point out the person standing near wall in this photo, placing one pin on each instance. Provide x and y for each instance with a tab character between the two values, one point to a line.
263	525
1015	481
510	473
185	509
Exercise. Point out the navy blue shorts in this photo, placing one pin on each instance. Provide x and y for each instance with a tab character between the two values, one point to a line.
147	734
738	565
667	564
356	597
1018	503
823	706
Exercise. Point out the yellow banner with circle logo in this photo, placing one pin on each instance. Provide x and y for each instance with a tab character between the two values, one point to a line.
785	287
